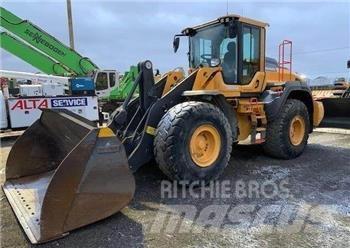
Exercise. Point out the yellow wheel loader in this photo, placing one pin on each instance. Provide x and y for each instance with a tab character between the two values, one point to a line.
64	172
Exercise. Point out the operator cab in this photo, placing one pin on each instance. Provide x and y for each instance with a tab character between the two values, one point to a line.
235	43
105	81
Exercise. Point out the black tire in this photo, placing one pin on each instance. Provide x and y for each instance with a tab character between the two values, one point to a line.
174	131
278	143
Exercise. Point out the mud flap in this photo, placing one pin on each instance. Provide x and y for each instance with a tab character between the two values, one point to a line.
64	173
337	113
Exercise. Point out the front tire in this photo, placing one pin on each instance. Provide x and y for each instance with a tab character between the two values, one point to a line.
287	135
193	142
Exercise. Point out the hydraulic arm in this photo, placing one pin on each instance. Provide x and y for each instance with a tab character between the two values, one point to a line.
46	43
32	56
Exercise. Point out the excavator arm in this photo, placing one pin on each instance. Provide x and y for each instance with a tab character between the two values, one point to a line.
32	56
46	43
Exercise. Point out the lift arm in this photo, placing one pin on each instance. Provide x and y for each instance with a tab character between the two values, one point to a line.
33	57
46	43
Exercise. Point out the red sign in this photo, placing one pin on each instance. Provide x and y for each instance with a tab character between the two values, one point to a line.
25	104
3	82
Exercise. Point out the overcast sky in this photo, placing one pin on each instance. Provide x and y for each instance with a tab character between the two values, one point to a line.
116	34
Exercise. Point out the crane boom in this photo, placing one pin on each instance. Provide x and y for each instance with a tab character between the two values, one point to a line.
32	56
46	43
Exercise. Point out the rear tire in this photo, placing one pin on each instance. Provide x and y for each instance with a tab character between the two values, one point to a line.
287	135
193	142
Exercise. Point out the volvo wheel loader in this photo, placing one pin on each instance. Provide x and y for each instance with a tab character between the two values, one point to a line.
64	172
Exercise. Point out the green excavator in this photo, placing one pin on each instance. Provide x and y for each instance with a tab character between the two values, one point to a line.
46	53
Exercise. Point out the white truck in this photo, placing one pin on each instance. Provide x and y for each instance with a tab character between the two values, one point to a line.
35	78
19	110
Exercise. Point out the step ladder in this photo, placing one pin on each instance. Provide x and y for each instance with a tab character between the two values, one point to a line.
283	62
259	124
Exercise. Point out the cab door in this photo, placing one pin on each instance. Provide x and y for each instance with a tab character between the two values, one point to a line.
105	81
101	83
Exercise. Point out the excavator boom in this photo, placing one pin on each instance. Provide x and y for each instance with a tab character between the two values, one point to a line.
46	43
32	56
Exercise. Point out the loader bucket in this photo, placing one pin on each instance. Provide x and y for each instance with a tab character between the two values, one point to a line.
64	173
337	112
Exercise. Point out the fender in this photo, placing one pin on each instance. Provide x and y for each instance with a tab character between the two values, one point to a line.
215	97
274	101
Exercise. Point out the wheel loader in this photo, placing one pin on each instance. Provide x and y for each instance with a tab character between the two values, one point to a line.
64	172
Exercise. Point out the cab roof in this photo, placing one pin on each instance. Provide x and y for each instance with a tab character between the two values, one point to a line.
227	18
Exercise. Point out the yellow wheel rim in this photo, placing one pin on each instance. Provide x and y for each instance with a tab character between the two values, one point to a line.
205	145
297	130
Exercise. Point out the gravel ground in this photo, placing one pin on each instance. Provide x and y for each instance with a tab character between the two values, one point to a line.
314	213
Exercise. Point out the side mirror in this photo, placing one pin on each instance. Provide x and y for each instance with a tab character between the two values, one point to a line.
348	64
176	43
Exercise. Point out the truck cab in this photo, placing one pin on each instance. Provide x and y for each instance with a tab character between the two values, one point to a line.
105	81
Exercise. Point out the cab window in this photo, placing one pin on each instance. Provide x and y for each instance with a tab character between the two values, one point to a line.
251	53
111	79
204	46
228	57
215	45
101	81
202	51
